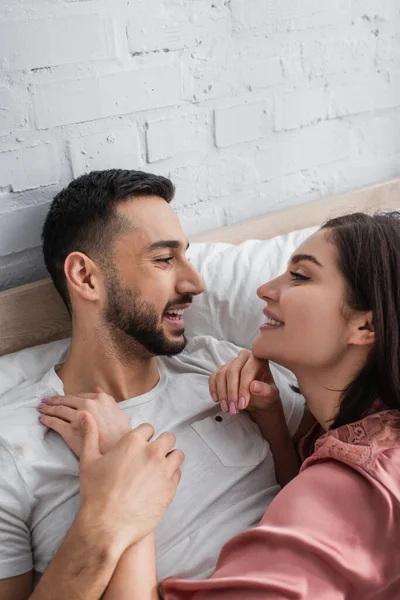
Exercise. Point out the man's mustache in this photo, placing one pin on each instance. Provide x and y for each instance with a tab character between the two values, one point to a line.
185	299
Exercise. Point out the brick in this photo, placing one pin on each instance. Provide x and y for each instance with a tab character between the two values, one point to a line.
379	137
166	26
219	79
174	137
79	100
223	175
298	108
239	124
295	151
13	110
355	97
28	168
344	54
39	43
202	217
21	229
113	149
272	16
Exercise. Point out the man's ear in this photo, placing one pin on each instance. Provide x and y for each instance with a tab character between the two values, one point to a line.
363	331
83	276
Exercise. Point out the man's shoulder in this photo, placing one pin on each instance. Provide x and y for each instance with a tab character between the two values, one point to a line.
18	407
26	392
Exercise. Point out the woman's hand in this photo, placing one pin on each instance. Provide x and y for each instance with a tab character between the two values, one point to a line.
62	415
245	382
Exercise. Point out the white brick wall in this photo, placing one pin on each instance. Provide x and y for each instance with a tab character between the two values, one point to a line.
248	105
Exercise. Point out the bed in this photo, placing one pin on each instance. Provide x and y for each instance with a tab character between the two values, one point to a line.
33	314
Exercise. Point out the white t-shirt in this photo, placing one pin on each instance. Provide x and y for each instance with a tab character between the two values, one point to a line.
227	479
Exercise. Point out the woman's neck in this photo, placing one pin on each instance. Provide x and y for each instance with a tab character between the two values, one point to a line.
323	388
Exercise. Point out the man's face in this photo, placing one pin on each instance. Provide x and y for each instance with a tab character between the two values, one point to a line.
151	282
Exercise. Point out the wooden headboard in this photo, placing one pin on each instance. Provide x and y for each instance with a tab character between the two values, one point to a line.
34	314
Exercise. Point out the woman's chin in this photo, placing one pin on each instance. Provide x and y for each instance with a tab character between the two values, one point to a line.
260	349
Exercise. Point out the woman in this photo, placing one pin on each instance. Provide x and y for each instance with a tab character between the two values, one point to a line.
333	532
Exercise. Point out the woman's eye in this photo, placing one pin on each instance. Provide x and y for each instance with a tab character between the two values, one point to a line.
298	276
165	260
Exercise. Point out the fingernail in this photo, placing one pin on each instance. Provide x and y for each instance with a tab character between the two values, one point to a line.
232	408
41	406
224	406
44	400
256	387
242	403
214	397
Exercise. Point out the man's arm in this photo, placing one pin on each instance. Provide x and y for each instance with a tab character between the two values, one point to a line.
16	588
124	494
83	566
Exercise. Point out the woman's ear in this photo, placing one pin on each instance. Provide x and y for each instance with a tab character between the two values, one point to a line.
363	331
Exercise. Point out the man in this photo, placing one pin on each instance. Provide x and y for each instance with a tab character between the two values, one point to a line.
117	254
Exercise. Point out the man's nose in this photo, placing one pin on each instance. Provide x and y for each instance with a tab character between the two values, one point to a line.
191	281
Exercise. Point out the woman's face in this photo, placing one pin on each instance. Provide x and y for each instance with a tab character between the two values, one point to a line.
307	322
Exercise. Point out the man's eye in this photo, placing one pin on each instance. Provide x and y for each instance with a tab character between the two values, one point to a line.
298	276
165	260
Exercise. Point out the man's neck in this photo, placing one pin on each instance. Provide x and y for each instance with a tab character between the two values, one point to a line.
95	363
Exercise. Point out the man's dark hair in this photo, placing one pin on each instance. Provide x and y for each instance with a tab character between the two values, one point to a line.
83	217
369	259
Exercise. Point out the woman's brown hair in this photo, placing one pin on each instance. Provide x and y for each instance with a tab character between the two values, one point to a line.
369	259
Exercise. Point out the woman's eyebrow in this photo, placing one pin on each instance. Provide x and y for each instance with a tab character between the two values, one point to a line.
308	257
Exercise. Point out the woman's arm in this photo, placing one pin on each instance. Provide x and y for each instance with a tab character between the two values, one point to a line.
320	538
274	429
135	576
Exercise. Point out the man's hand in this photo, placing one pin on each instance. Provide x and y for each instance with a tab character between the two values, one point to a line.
62	415
125	492
245	382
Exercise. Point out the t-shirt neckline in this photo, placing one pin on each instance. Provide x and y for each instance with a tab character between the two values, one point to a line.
56	383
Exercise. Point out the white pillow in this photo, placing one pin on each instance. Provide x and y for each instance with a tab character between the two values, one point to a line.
228	310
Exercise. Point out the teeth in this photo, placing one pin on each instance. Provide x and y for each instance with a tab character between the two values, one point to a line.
178	312
272	322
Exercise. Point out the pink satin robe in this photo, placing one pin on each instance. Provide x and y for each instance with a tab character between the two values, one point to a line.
333	533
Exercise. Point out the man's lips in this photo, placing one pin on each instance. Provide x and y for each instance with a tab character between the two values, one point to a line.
177	307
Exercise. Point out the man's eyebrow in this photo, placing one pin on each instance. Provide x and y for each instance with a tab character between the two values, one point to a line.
162	244
308	257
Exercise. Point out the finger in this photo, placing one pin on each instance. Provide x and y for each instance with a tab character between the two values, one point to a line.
220	384
90	439
175	460
247	375
58	425
268	391
176	477
233	375
145	431
165	442
252	370
76	402
61	412
213	388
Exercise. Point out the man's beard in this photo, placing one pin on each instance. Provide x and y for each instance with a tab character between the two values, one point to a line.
129	313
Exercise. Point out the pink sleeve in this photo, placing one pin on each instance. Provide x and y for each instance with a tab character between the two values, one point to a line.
319	539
